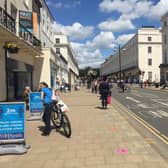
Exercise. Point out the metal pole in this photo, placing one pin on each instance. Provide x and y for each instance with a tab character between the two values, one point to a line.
6	54
120	62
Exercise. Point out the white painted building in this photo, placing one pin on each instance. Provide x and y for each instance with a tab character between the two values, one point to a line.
47	66
68	64
164	65
140	57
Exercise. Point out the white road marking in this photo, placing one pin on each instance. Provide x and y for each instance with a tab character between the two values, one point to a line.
134	100
163	113
143	106
157	101
155	114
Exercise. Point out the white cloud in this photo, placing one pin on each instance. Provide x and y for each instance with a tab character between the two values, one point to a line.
116	5
87	56
122	39
76	31
133	9
116	25
158	10
103	40
59	4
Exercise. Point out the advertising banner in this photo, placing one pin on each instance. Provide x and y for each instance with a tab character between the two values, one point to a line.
35	103
35	23
26	19
12	122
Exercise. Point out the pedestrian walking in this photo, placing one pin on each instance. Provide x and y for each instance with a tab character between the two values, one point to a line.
104	92
46	96
26	96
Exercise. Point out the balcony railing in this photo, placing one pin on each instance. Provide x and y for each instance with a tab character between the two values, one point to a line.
8	22
28	36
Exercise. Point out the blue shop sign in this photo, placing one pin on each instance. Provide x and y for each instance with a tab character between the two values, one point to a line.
12	121
35	102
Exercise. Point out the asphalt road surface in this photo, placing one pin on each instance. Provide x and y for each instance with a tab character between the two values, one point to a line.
150	105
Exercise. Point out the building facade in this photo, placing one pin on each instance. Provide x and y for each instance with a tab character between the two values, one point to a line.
164	65
27	49
68	65
138	59
47	65
18	47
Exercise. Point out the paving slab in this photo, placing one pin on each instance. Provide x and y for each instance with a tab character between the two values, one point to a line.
100	139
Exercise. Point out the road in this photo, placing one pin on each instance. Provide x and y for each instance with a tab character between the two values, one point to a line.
150	105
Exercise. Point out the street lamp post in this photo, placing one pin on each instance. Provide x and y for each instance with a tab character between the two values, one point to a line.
119	53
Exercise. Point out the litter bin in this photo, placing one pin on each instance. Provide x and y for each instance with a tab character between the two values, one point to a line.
156	85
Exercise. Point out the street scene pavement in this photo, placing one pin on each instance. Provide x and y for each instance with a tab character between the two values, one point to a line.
101	138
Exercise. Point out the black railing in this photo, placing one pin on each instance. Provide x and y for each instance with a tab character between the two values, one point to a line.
8	22
28	36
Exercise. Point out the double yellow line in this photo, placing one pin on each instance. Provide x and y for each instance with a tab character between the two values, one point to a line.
157	133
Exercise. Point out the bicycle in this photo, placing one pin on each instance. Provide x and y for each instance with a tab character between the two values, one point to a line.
127	89
60	119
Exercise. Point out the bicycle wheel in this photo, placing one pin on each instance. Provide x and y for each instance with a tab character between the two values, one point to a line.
66	125
56	119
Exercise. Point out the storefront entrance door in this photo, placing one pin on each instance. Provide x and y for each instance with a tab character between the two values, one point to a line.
21	80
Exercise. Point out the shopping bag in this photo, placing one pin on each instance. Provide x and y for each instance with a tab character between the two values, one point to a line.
109	100
63	106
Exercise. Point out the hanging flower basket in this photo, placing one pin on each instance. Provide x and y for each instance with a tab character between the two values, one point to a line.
12	48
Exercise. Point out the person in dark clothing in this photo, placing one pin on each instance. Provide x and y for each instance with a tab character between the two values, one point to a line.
46	96
104	90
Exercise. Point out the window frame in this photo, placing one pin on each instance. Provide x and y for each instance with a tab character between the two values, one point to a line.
149	49
150	75
149	38
57	40
57	50
149	61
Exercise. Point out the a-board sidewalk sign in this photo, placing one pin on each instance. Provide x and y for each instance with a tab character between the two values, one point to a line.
35	106
12	128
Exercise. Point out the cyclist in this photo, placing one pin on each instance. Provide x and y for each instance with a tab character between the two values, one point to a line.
46	96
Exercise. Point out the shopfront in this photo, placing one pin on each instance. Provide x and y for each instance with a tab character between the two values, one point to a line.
53	75
19	76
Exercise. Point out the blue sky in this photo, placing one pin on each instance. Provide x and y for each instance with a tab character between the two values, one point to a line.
97	27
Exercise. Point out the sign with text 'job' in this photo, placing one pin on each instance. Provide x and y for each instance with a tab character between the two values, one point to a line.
35	102
12	122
